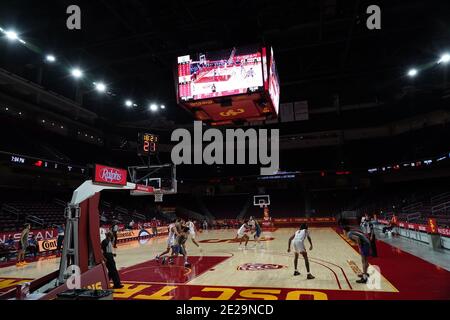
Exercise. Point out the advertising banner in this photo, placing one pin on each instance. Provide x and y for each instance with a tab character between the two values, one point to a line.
40	234
109	175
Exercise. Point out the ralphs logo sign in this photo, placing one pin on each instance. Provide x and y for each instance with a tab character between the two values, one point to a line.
110	175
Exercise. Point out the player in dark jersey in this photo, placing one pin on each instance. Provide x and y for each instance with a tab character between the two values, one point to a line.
258	232
181	245
364	249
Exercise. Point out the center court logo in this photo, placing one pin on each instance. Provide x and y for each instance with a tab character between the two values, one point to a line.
260	266
222	148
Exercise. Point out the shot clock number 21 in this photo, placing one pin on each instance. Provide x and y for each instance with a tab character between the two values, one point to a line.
148	144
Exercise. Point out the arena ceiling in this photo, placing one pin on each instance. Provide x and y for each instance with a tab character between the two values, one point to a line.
323	48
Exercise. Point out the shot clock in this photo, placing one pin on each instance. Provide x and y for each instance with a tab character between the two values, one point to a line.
147	144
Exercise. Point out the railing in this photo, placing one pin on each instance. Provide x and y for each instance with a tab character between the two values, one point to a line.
441	208
413	216
412	207
10	209
35	220
60	202
439	198
138	216
106	204
121	210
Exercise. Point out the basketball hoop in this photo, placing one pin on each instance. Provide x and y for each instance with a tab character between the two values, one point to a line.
261	201
158	196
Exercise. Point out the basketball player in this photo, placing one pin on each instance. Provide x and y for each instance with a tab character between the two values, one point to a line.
180	247
367	228
257	235
23	244
256	228
299	247
250	73
173	233
241	234
364	249
191	227
251	222
179	225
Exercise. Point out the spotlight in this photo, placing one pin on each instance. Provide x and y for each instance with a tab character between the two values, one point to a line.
445	58
50	58
153	107
163	106
100	87
77	73
11	35
412	72
129	103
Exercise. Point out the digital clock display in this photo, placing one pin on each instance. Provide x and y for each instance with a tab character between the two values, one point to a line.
148	143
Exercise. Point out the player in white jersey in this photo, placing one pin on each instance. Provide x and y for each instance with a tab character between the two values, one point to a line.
241	234
191	227
251	222
299	247
171	239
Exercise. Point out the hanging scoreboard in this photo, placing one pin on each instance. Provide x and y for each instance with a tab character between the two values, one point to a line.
229	86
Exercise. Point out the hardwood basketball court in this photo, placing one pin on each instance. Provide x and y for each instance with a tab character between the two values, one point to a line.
221	270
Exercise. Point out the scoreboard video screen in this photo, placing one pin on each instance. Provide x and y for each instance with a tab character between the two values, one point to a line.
274	83
220	73
148	144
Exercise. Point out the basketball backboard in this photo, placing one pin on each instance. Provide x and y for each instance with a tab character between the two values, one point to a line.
156	180
261	200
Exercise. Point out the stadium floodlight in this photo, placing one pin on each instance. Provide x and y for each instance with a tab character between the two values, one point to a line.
412	72
445	58
129	103
50	58
153	107
12	35
76	73
100	86
163	106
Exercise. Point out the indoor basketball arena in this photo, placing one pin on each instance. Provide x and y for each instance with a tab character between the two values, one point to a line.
207	150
